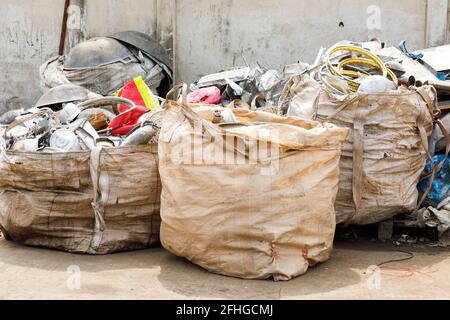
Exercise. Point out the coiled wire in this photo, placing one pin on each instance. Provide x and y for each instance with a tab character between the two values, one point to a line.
345	75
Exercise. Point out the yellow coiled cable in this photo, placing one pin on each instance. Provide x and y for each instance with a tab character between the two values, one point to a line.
368	59
363	62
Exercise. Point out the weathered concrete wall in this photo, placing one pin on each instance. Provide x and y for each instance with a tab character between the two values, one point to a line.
153	17
209	34
105	17
437	28
29	33
212	34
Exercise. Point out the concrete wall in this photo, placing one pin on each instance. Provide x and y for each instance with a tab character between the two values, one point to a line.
104	17
207	35
214	34
29	33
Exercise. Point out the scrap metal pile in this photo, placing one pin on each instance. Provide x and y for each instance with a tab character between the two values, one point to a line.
355	134
108	121
80	152
369	77
345	68
105	91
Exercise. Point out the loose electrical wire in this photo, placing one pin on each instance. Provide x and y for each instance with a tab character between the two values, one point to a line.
351	67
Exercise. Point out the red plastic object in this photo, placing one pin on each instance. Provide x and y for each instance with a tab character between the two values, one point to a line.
126	121
130	91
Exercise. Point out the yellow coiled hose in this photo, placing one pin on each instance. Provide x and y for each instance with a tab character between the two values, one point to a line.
341	71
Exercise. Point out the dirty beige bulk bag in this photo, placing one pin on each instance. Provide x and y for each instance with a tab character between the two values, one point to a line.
97	202
50	200
253	216
385	153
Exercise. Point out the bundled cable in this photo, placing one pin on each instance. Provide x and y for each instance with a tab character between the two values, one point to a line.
343	73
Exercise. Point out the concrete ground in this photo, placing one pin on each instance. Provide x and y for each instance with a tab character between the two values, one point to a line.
31	273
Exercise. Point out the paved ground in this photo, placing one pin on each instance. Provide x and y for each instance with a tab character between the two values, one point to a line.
32	273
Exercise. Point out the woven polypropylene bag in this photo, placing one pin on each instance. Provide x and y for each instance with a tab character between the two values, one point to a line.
385	153
95	203
249	217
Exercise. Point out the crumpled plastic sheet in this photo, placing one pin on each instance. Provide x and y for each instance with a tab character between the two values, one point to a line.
208	95
435	218
441	183
104	80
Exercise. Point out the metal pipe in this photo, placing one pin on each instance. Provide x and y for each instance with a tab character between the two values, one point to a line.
62	40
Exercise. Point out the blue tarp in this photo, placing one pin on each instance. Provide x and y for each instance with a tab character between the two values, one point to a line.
441	183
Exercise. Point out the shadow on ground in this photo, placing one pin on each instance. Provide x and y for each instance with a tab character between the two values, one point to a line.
345	269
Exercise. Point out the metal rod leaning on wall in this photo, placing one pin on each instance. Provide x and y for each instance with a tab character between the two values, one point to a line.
62	40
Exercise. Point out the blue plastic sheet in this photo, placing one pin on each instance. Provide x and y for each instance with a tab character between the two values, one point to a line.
441	183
